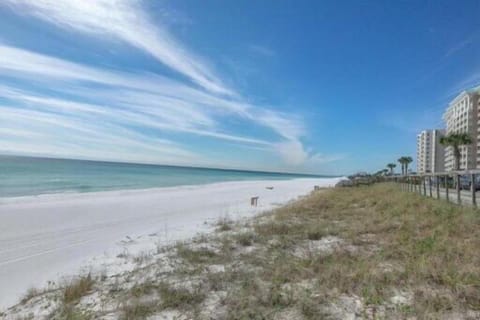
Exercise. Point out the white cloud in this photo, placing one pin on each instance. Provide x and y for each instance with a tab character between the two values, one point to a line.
145	110
140	99
41	68
115	112
288	126
293	152
177	103
125	20
54	134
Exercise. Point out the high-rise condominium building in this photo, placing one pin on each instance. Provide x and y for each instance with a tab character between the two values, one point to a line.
462	116
430	153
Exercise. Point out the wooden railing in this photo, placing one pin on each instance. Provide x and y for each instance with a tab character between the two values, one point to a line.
455	186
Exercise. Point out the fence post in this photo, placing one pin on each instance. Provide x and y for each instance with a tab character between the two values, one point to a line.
424	186
473	188
446	187
430	185
459	196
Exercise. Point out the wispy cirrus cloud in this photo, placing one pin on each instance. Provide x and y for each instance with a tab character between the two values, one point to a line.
137	99
130	116
261	50
461	45
127	21
62	135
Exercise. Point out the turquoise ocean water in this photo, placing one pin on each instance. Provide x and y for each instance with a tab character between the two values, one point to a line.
24	176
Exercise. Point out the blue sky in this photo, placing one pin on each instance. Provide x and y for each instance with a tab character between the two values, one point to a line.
303	86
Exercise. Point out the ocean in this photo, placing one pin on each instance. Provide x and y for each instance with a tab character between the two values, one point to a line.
26	176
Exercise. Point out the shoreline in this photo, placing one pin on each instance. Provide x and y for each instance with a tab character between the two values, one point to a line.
74	195
45	238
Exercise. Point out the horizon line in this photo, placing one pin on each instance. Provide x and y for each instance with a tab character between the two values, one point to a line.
45	157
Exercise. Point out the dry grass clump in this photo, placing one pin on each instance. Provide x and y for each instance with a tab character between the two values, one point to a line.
134	310
69	312
196	256
246	239
73	291
142	257
177	297
149	298
77	288
224	224
253	299
30	294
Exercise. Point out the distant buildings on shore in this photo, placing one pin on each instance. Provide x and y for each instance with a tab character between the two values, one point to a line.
462	116
430	153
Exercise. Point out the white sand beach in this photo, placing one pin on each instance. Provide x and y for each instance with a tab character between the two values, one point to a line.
45	238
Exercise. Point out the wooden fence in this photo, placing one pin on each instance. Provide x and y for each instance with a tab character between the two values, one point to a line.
459	187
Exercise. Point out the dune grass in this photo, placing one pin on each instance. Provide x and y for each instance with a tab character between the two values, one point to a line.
397	241
77	288
374	252
395	245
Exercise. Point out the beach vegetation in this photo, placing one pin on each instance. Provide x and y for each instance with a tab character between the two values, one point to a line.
224	224
142	257
137	309
404	162
177	297
196	255
391	166
245	239
31	293
373	252
70	312
75	289
149	298
455	141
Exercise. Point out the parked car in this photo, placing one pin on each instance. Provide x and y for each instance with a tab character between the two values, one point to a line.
466	183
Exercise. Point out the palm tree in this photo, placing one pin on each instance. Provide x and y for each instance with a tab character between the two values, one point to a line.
402	162
408	160
391	166
456	140
379	173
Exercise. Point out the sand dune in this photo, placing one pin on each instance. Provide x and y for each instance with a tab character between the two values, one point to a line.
47	237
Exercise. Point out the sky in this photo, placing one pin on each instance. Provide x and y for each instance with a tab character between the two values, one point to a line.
328	87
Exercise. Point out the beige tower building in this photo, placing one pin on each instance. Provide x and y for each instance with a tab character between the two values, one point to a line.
462	116
430	153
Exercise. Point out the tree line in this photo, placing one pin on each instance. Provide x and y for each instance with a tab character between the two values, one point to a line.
453	140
